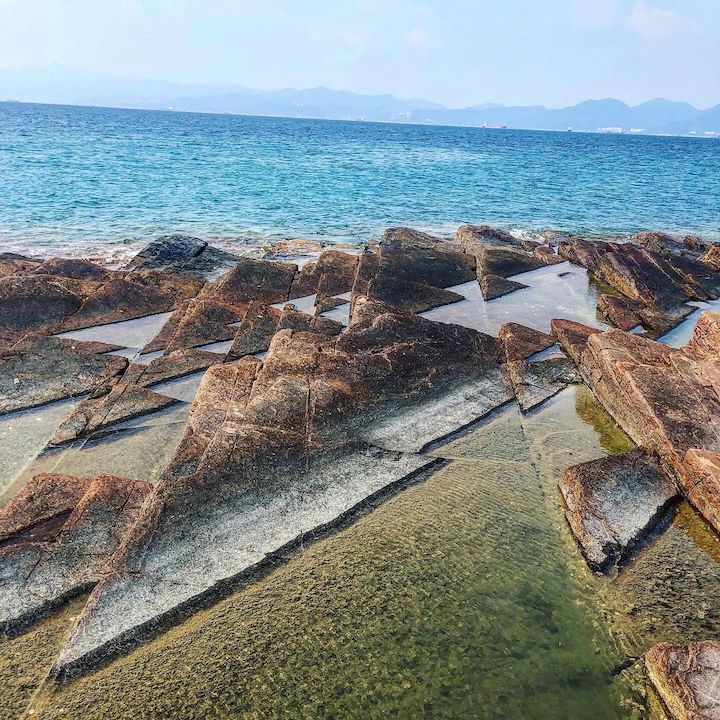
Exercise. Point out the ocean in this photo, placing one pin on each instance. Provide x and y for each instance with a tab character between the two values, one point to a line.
103	182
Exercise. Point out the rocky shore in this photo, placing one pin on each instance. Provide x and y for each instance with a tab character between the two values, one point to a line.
222	411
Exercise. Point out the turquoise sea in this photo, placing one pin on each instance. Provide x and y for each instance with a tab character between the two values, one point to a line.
81	180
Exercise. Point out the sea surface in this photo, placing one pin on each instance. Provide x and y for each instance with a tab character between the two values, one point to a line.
102	182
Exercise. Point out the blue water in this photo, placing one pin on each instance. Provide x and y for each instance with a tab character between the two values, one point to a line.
98	180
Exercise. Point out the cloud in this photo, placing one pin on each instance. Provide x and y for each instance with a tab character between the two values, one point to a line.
417	36
651	21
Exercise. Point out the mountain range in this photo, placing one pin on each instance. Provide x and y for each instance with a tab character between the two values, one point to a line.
57	84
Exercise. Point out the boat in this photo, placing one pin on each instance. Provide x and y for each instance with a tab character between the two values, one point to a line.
490	126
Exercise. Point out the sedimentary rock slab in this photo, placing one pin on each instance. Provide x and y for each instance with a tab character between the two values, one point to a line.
495	286
50	369
332	274
520	342
665	399
42	569
687	678
614	502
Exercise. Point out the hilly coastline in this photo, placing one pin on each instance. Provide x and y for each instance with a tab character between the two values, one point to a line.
74	87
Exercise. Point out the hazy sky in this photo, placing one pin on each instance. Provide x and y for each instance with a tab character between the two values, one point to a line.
459	52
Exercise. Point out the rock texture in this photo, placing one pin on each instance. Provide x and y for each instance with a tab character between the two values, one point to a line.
666	400
50	369
277	447
687	679
535	382
409	271
613	502
657	278
520	342
41	563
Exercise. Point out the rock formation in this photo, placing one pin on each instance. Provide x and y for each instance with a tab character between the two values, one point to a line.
686	678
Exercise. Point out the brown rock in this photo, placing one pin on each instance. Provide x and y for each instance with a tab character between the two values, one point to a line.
124	402
705	341
687	678
546	255
572	336
332	274
176	364
665	399
469	236
255	332
118	300
34	304
71	268
49	369
262	280
711	257
520	341
293	319
504	262
41	565
613	503
494	286
14	264
323	303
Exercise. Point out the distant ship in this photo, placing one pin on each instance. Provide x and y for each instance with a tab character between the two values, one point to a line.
489	126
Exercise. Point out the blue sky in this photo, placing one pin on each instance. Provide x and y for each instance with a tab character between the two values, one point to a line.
458	52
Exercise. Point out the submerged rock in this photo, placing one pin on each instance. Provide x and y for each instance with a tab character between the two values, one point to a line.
47	558
613	503
686	678
535	382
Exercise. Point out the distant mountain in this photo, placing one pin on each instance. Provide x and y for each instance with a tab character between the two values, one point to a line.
76	87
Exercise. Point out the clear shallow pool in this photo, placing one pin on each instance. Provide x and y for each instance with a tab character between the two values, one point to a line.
557	291
460	597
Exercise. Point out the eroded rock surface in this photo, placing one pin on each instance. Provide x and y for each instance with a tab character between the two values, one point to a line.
520	341
57	536
687	678
667	400
613	502
50	369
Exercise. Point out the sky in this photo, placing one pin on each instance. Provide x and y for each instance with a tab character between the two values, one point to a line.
457	52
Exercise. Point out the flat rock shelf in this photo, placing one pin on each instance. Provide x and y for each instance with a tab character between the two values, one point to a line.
446	477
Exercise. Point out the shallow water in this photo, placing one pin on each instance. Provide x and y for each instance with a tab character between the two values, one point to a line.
557	291
460	597
128	333
680	335
24	434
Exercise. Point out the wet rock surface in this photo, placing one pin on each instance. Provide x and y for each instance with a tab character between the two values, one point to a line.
43	568
687	679
614	502
520	341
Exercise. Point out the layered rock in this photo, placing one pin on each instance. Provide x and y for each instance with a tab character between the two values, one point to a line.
499	255
47	369
613	502
656	281
274	449
520	342
686	678
332	274
535	382
410	270
183	253
55	540
666	400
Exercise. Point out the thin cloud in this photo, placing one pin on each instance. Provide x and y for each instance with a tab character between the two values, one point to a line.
651	21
